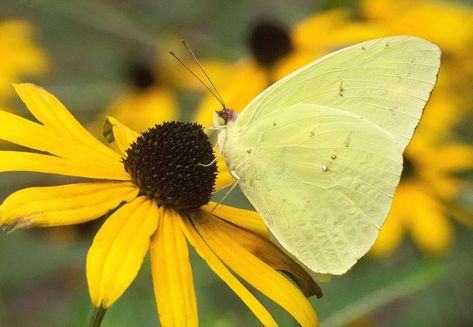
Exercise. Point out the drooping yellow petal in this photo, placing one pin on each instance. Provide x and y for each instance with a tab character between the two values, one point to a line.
82	167
118	249
219	268
246	219
220	238
172	273
65	204
266	251
52	113
114	131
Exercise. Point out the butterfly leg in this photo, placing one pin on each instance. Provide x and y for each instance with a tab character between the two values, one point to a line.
227	193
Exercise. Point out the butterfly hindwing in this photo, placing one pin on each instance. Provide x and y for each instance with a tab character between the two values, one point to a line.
325	189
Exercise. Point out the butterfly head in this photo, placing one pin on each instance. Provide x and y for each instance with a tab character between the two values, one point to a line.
224	116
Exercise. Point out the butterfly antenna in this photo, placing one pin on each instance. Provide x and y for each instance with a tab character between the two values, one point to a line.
188	48
197	77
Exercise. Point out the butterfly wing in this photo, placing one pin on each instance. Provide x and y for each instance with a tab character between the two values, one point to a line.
319	153
387	81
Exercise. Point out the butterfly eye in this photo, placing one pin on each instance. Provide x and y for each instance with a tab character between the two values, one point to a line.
269	41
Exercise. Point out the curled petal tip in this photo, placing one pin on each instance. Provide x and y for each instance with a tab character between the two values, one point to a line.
13	226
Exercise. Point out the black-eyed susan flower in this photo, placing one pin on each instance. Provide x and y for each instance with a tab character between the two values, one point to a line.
20	55
157	189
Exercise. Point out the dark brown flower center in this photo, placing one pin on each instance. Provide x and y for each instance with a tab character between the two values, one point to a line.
173	163
269	42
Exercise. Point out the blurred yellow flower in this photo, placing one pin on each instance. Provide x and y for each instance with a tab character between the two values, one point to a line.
159	197
152	96
19	55
421	204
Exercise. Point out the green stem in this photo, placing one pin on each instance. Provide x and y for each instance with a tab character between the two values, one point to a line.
97	317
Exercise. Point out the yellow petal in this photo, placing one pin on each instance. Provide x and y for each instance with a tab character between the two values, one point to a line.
246	219
114	131
24	132
118	249
172	273
445	186
216	68
65	204
35	162
448	24
461	213
142	110
266	251
430	228
220	238
394	229
219	268
332	29
390	236
454	157
235	93
294	61
224	178
52	113
18	130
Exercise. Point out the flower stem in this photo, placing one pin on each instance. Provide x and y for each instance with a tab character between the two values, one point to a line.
97	317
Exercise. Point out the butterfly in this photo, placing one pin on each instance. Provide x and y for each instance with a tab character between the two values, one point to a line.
319	153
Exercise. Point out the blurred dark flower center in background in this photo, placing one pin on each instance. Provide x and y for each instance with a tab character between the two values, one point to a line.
409	169
174	163
141	76
269	41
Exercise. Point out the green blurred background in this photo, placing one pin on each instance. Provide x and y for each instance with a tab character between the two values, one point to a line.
88	53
